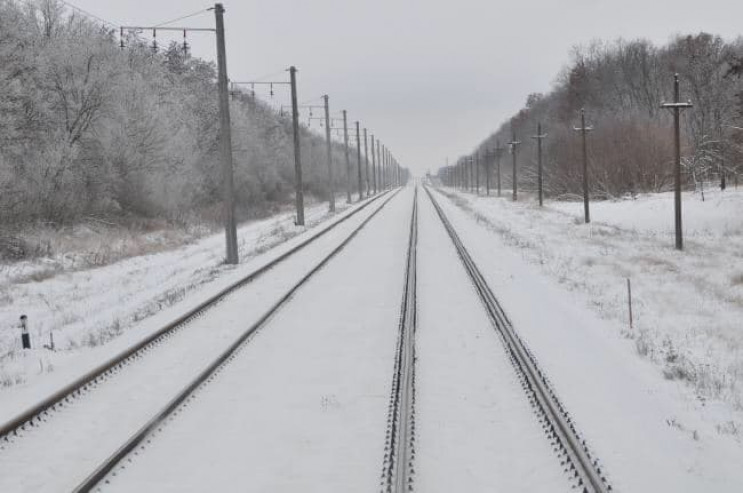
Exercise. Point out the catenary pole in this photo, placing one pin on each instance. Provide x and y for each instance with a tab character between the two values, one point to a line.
348	159
358	160
374	165
366	161
226	140
298	186
387	170
328	145
381	169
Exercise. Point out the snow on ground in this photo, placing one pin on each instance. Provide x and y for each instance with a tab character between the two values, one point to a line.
303	406
563	285
687	306
475	428
91	312
712	220
57	454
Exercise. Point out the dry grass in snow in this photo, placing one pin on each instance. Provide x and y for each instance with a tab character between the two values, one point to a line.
688	306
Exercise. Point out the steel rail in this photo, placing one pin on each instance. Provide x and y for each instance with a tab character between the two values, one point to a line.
397	466
209	372
33	415
560	428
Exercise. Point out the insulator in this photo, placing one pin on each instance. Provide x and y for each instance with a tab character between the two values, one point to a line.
121	37
271	87
185	43
154	40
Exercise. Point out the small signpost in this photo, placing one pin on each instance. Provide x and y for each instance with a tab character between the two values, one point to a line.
25	336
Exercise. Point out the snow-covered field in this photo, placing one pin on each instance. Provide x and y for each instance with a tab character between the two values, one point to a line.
687	306
85	309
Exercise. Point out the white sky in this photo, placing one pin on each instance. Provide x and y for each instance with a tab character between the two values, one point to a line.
431	78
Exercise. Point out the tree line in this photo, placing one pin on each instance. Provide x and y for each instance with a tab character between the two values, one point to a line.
88	128
621	86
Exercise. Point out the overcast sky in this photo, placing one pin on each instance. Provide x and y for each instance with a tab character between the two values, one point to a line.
431	78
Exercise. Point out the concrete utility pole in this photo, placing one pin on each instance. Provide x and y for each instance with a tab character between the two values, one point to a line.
387	168
498	153
477	171
514	144
539	137
583	129
328	146
677	106
488	165
393	170
298	186
380	167
348	160
471	173
374	166
467	174
366	161
358	160
226	140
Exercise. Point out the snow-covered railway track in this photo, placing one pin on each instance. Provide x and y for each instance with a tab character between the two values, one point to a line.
566	441
174	405
54	423
397	466
37	414
100	473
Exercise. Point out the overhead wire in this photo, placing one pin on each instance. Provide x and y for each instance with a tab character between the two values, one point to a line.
267	76
194	14
88	14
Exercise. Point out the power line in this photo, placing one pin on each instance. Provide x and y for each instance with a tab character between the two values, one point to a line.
88	14
318	98
194	14
268	76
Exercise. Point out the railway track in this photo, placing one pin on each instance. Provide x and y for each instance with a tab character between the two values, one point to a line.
137	440
398	471
570	447
37	415
399	451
